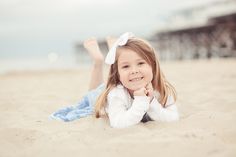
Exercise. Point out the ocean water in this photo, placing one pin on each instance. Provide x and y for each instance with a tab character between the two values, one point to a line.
51	61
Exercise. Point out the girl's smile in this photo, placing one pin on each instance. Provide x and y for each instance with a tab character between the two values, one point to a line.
136	79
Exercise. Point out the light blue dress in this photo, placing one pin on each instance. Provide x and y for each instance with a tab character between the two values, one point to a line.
83	108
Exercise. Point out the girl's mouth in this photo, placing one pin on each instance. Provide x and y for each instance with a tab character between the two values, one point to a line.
136	79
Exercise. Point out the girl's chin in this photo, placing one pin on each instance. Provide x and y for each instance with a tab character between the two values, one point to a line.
132	89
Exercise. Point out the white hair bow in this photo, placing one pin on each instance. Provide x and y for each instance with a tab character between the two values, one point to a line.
121	41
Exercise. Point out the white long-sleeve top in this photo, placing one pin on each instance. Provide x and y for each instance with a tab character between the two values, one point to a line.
123	111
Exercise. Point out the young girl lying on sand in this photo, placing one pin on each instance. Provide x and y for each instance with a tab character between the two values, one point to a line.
136	89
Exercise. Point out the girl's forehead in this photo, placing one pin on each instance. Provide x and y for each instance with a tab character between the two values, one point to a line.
124	53
128	56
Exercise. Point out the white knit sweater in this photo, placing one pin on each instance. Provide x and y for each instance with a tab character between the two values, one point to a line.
123	111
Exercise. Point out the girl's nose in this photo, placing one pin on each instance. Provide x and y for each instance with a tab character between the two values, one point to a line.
134	70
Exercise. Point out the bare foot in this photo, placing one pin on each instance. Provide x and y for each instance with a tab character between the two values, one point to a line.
110	41
91	45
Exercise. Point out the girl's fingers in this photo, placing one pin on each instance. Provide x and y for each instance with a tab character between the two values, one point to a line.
146	91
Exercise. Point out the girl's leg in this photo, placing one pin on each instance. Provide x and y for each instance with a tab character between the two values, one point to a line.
92	47
110	41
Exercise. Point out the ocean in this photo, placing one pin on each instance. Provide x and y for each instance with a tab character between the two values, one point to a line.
51	61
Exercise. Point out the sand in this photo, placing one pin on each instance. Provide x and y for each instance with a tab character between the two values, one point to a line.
206	102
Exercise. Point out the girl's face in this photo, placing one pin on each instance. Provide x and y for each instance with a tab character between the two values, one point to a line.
133	70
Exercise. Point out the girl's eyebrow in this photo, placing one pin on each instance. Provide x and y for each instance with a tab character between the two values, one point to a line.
140	59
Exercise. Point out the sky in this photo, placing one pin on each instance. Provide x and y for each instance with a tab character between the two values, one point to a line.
30	28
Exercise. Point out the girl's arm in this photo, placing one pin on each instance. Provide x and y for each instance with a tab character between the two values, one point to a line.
120	117
159	113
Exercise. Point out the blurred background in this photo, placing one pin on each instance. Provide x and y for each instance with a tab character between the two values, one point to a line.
48	34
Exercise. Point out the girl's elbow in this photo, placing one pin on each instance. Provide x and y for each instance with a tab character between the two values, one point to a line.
122	123
173	117
117	125
114	125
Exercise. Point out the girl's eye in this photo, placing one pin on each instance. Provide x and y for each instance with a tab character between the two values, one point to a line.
141	63
125	66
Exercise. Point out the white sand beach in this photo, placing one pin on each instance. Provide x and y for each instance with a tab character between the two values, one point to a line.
206	102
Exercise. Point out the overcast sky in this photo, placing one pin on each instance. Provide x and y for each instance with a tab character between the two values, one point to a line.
33	28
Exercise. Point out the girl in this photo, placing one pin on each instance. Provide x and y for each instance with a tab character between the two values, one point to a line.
136	89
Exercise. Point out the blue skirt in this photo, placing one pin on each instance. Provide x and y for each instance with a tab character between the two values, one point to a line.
83	108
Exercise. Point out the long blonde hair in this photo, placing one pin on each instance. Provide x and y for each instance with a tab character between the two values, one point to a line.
159	82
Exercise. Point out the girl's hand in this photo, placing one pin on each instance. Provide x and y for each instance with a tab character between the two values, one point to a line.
149	89
140	92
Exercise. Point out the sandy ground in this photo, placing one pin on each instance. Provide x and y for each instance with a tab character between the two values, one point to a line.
206	102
